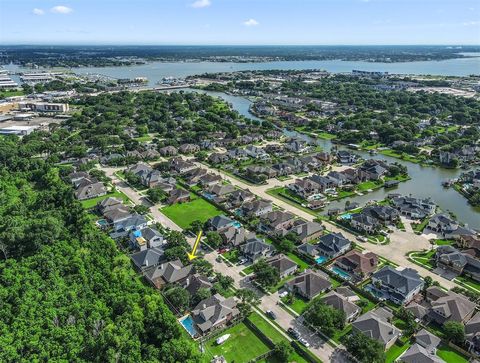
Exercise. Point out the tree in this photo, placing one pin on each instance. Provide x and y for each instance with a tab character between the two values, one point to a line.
286	245
203	267
282	351
202	294
156	195
247	299
225	282
325	317
178	297
196	226
213	239
365	349
141	209
265	274
201	155
454	331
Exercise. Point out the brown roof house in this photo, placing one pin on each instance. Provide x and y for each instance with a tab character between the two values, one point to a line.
357	263
339	302
283	265
277	222
214	312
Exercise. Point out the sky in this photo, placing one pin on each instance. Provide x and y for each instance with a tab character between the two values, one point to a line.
242	22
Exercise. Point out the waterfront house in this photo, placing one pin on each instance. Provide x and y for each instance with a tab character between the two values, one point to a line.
365	223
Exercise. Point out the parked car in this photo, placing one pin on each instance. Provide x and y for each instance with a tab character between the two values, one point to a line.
219	259
283	294
271	314
242	261
362	238
304	342
293	333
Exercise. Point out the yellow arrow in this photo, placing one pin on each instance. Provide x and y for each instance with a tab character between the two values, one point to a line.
191	255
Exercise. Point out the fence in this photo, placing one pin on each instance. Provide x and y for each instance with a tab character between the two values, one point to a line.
219	331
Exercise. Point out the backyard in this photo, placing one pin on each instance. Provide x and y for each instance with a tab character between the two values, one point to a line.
183	214
90	203
450	355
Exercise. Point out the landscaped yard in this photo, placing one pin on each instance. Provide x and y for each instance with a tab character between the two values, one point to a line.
419	227
395	351
231	255
90	203
242	346
473	285
363	187
183	214
450	355
444	242
403	156
424	259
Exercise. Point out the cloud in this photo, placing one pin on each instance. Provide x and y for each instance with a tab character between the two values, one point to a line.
38	11
471	23
201	4
251	22
61	9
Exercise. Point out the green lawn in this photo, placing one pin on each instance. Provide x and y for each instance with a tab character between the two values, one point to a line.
473	285
424	258
338	336
450	356
10	93
144	138
419	227
362	187
394	154
183	214
242	346
90	203
232	255
326	136
395	351
248	270
443	242
302	265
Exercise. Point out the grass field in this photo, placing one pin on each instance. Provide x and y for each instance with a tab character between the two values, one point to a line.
424	258
406	157
473	285
242	346
183	214
395	351
90	203
450	356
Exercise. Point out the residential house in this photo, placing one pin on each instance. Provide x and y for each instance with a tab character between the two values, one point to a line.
418	354
255	249
375	325
220	190
306	189
283	265
109	203
427	340
135	221
196	282
218	158
178	195
220	223
181	166
172	272
333	245
256	152
297	146
447	227
254	171
209	179
448	306
146	238
309	284
189	148
384	213
397	285
308	250
234	236
192	177
359	264
414	208
116	214
214	312
257	208
365	223
375	169
305	231
168	151
472	334
339	302
276	222
239	197
88	189
346	157
147	258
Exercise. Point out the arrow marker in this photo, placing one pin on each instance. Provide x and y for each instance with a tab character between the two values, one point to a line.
191	255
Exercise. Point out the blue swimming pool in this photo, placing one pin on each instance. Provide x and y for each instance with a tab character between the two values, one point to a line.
209	196
102	222
346	216
189	325
342	273
237	224
321	259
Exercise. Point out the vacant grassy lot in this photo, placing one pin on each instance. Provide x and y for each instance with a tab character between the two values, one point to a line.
90	203
183	214
242	346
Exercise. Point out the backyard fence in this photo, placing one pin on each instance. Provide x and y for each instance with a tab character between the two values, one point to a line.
219	331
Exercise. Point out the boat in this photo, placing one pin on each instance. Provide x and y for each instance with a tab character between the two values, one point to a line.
222	339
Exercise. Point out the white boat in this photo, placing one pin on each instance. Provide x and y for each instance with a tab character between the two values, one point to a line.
222	339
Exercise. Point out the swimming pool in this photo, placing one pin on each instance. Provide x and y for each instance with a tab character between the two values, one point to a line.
188	324
102	222
342	273
237	224
346	216
209	196
321	259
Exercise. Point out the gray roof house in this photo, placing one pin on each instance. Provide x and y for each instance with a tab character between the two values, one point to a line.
448	306
306	231
399	286
255	249
427	340
257	208
308	249
235	236
214	312
283	265
172	272
116	214
418	354
108	203
147	258
196	282
472	333
333	245
375	326
220	223
90	189
276	222
135	221
146	238
309	284
339	302
447	227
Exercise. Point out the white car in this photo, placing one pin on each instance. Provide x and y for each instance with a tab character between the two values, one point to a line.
304	342
283	294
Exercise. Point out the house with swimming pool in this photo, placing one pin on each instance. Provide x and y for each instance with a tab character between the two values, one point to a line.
213	313
357	264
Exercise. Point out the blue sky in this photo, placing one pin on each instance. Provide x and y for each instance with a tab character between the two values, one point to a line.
240	22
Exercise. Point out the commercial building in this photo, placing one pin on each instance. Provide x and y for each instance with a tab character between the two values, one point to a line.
43	107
